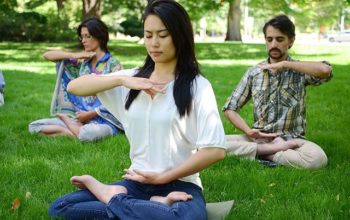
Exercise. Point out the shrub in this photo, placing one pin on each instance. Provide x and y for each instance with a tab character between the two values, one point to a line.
132	26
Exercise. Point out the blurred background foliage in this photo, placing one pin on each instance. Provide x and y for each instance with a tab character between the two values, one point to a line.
56	20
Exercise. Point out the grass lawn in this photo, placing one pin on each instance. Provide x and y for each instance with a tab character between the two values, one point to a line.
36	169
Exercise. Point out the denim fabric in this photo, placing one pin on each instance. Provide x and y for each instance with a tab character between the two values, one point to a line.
135	205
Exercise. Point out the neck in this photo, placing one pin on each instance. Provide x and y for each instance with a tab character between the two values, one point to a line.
164	72
99	54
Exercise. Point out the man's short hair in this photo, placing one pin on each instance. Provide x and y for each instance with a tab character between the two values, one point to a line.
283	24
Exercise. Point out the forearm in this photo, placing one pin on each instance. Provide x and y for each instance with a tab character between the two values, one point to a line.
237	121
55	55
317	69
91	85
197	162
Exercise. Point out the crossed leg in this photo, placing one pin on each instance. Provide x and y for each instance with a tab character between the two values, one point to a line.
104	192
73	126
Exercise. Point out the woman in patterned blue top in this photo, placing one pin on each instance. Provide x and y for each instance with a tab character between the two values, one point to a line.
91	121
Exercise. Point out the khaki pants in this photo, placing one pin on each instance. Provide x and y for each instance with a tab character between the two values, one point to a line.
308	156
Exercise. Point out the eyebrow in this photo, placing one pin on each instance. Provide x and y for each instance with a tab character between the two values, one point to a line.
156	31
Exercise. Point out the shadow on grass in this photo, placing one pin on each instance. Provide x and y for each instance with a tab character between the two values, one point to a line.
29	52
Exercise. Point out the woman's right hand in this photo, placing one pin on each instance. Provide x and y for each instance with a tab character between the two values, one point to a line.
84	55
145	84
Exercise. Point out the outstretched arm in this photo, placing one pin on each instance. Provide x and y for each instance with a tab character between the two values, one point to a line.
239	123
202	159
317	69
91	84
55	55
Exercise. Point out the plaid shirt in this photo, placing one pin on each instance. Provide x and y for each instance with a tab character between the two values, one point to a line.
278	99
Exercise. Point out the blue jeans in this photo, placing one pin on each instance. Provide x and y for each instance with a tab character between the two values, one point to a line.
135	205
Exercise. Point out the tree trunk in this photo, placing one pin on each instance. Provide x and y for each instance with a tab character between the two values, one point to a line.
60	5
62	16
91	8
234	22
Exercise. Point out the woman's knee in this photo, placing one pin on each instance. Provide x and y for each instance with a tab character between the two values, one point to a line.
54	209
94	132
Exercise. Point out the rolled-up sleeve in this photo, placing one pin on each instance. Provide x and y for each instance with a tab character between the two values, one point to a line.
312	80
240	95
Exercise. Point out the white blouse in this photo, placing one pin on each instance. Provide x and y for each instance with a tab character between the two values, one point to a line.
159	139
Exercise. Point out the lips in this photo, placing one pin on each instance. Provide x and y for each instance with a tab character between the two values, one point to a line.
155	53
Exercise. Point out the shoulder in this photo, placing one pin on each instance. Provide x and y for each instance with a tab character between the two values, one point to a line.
200	85
201	81
255	70
113	60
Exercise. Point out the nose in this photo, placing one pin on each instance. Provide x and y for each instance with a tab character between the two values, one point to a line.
155	41
274	43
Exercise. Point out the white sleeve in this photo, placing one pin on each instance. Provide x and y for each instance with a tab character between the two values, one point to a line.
210	131
114	99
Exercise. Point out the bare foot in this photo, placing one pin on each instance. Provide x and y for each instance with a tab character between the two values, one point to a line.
285	145
278	144
172	197
103	192
73	125
66	119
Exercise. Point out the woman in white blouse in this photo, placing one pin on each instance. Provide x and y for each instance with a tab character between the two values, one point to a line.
170	117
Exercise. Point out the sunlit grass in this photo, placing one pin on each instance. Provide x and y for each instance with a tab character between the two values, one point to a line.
42	166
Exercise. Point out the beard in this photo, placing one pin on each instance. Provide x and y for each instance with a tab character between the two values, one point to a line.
276	57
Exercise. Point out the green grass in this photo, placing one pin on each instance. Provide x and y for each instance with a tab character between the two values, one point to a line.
43	166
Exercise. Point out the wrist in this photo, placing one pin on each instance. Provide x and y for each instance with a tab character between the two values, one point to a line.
74	55
166	177
285	64
248	131
121	80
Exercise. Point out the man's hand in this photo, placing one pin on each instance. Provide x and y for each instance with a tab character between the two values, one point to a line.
144	177
273	67
255	133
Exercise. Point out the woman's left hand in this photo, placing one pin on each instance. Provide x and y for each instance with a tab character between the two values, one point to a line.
144	177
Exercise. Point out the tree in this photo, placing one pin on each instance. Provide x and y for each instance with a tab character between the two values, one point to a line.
234	21
91	8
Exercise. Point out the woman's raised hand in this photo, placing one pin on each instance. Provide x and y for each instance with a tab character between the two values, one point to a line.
149	86
84	55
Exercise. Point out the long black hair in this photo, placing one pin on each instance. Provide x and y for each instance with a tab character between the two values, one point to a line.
97	29
178	23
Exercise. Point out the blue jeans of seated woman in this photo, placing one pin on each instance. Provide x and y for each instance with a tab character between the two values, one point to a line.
134	205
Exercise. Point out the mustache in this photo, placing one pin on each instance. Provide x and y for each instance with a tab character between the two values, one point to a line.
274	49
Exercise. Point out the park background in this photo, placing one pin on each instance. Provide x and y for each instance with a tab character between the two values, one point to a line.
34	170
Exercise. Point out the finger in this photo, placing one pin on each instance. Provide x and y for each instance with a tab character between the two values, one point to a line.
269	134
141	173
158	89
127	171
149	92
263	66
130	172
157	83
